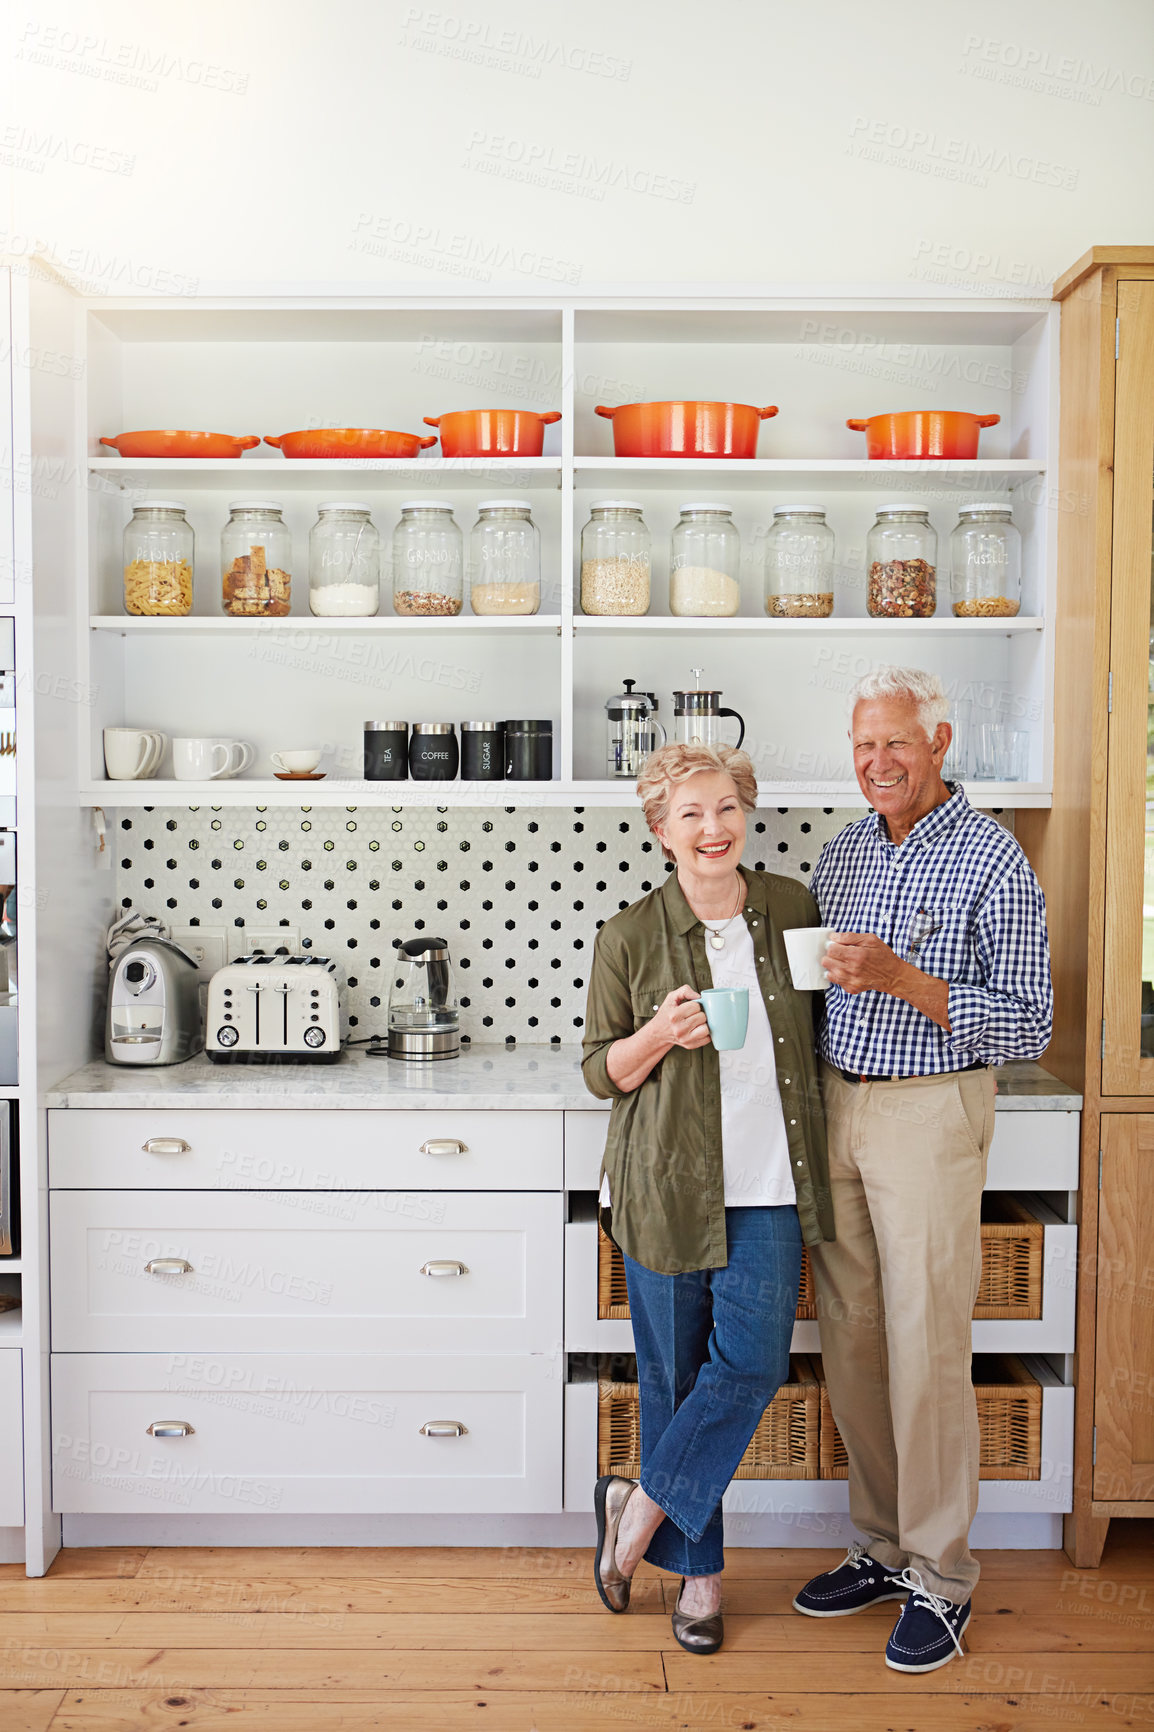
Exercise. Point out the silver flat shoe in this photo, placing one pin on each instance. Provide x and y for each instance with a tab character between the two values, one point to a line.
698	1635
610	1496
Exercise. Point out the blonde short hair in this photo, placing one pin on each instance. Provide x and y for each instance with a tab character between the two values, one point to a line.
669	765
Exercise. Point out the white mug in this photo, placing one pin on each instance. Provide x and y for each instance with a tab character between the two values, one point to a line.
240	755
805	946
132	754
200	760
299	762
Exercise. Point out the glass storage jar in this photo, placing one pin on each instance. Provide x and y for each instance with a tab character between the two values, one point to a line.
427	559
615	549
158	559
256	557
504	559
705	563
344	562
986	561
799	564
902	561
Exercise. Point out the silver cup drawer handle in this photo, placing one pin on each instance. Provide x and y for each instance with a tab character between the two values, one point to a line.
166	1146
170	1428
443	1428
443	1146
167	1266
444	1266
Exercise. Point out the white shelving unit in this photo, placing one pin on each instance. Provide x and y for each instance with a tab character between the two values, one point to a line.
267	364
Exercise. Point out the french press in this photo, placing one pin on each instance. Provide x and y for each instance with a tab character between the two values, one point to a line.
633	731
697	713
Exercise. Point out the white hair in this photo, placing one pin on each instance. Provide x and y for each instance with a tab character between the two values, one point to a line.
906	685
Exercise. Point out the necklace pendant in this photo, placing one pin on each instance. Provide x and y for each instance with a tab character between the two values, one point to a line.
716	941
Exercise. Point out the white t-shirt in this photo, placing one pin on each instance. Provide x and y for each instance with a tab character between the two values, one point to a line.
755	1150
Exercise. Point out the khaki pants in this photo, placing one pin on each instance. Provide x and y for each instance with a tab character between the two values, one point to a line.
895	1295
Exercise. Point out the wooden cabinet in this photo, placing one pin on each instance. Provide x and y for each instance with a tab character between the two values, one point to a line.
1094	853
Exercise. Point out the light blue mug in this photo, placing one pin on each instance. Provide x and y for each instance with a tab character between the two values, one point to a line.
727	1013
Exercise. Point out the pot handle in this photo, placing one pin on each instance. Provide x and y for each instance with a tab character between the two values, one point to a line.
112	442
739	719
432	421
858	426
275	439
602	410
553	415
766	414
423	444
246	441
987	420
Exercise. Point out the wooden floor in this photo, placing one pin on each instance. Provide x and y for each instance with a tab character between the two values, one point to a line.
308	1640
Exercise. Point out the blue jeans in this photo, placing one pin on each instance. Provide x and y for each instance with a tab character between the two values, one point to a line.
712	1350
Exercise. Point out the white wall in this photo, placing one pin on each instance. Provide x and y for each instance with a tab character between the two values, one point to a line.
531	142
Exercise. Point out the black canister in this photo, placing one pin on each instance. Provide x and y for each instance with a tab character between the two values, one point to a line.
386	751
482	751
433	752
529	751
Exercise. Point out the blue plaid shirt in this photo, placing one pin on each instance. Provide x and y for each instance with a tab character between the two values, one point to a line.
958	900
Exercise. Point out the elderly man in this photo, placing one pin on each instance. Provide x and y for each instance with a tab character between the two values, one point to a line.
940	969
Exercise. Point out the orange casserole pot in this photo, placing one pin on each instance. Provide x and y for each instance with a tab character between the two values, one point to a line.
325	442
157	443
923	433
492	432
686	429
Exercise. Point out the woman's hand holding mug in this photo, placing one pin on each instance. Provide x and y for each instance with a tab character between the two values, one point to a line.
681	1021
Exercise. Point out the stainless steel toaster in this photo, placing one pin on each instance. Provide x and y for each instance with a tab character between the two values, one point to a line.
275	1007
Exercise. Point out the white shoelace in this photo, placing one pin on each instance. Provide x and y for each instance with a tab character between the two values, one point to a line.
853	1558
936	1603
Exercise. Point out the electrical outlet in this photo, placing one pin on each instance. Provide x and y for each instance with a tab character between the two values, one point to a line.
267	938
206	943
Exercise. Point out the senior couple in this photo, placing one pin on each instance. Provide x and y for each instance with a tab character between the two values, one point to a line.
857	1120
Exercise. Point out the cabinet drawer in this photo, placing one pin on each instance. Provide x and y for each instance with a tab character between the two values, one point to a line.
11	1441
305	1434
296	1271
585	1135
305	1151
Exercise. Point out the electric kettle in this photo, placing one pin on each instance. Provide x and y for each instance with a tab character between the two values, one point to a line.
424	1020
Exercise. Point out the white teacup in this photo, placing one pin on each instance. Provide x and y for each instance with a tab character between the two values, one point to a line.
132	754
200	760
805	946
299	762
240	755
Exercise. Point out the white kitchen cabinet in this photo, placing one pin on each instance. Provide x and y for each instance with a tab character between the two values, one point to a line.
11	1440
339	1150
410	1271
242	1434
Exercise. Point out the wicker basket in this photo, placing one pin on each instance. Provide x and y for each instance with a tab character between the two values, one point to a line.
784	1446
1012	1248
1009	1420
613	1295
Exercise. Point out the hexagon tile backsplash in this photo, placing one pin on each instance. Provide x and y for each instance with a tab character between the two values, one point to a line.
517	892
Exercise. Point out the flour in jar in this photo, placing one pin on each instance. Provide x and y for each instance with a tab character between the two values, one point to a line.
700	591
344	600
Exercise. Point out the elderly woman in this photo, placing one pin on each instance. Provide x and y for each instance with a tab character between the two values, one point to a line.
715	1170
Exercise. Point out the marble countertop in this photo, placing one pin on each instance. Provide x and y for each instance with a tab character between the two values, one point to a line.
485	1077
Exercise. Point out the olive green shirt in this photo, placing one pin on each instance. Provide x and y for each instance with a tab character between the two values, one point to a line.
663	1153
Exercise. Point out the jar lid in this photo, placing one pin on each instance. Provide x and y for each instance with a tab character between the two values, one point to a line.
386	727
160	505
425	505
504	505
343	505
529	727
985	505
809	510
901	505
254	505
706	507
433	727
615	505
482	727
